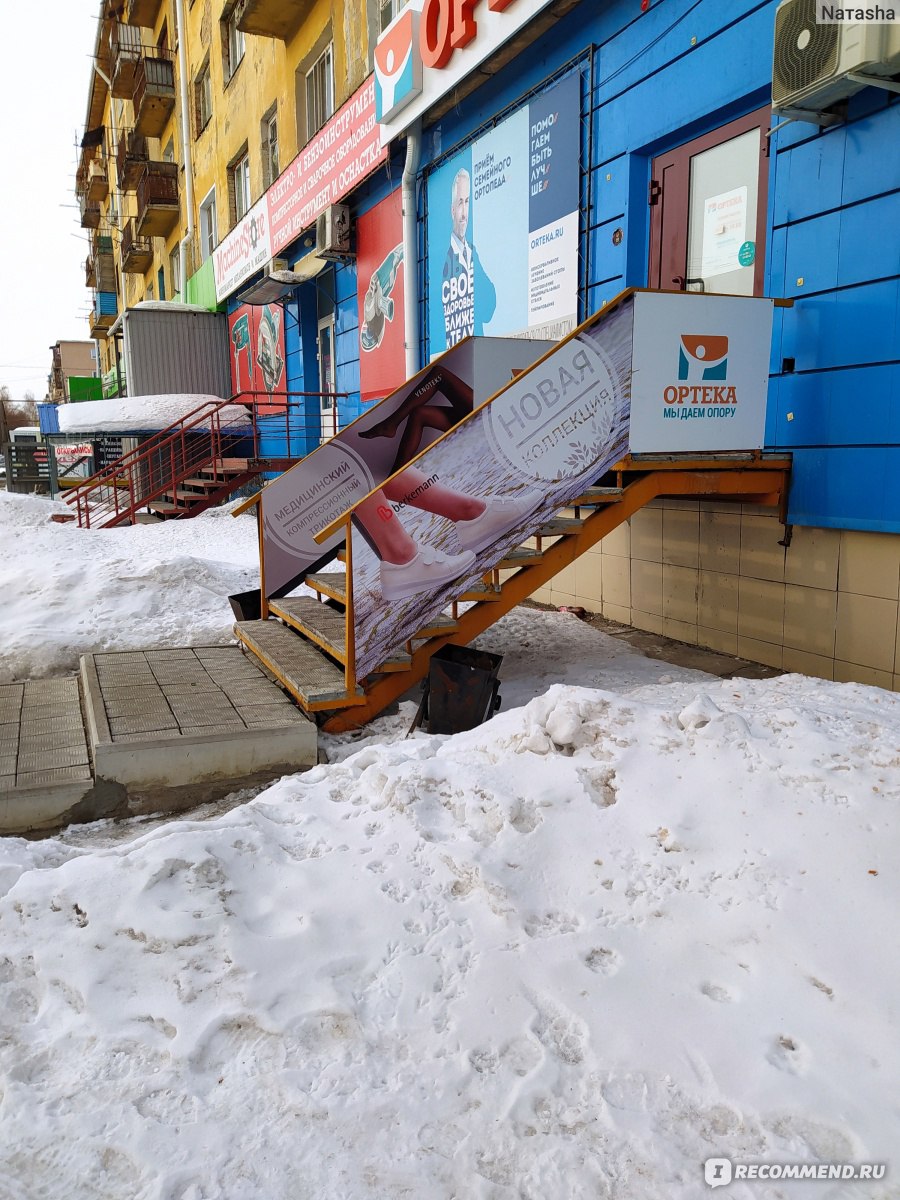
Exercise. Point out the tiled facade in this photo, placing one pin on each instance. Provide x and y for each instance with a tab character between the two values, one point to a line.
716	574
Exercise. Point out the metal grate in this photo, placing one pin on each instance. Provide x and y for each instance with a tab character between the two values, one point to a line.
805	50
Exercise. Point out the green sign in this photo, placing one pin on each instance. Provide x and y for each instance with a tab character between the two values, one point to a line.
747	254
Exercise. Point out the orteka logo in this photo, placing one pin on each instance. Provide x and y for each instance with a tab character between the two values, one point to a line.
703	356
398	65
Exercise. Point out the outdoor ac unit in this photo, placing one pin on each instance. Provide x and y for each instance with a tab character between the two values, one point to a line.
815	65
333	232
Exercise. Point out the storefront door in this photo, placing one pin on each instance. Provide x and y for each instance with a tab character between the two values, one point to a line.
328	411
708	211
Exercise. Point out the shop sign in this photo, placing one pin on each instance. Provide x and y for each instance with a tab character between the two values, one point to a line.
241	254
431	45
329	167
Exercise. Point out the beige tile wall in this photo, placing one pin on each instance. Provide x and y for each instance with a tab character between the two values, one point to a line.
715	574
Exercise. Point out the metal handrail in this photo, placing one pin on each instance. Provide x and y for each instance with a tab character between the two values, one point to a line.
191	444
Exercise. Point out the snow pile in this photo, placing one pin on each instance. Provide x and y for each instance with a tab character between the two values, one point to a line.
125	413
571	954
70	591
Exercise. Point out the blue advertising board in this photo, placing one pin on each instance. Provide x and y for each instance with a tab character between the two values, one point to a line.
503	227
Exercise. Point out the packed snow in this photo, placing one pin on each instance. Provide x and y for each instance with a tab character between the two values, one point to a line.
126	414
641	918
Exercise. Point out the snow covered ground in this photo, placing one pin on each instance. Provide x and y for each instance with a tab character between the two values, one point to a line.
644	919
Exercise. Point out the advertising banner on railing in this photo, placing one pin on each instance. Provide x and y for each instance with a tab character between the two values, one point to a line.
701	372
256	340
503	227
380	285
438	526
318	490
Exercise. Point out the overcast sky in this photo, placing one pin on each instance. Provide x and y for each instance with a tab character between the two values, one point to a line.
45	65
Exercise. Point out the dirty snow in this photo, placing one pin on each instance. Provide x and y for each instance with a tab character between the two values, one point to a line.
643	919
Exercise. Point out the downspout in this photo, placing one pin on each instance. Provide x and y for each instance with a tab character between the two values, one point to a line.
185	146
410	249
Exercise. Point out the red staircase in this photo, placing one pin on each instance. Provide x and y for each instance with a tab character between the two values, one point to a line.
194	463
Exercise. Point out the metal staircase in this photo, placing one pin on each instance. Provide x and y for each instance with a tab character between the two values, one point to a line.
304	640
194	463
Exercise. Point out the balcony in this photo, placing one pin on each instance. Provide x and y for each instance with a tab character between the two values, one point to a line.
137	252
131	158
154	94
97	179
100	272
142	12
90	213
157	200
126	52
104	313
272	18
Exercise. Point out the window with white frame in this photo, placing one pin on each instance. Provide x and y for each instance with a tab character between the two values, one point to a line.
202	98
320	91
232	43
209	231
269	146
387	10
239	185
175	270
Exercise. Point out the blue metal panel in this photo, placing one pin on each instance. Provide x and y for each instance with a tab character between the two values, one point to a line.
810	177
846	488
867	173
844	329
811	256
864	252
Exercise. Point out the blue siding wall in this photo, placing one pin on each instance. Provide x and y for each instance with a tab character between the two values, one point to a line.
835	242
678	71
654	81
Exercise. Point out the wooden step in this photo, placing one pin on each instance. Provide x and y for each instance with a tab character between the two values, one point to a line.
165	508
481	591
522	556
207	485
319	622
559	527
225	466
182	494
311	678
441	626
597	495
328	583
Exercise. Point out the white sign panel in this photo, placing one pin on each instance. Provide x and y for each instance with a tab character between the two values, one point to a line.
241	254
701	372
724	232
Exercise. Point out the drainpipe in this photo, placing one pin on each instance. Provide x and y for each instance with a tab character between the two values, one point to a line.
410	249
185	145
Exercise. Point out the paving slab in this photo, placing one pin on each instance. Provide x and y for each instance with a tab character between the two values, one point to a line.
140	731
203	733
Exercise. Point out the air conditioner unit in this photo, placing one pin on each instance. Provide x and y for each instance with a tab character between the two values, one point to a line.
815	64
333	232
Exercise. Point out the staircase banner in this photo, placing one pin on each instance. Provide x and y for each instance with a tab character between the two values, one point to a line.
321	488
439	525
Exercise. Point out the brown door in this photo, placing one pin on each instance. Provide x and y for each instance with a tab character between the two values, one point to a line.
708	211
